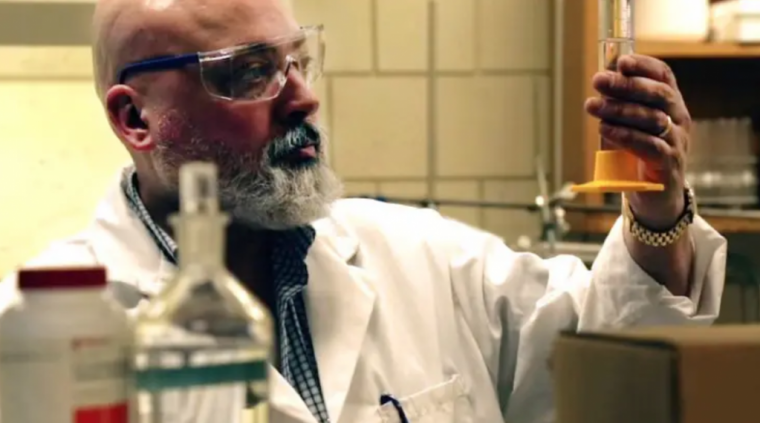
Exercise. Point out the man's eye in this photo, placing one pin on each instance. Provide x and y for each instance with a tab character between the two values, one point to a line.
254	71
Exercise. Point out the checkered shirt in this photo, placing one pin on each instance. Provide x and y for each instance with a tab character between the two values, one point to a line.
298	362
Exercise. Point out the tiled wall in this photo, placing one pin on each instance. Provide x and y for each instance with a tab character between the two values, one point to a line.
443	98
58	153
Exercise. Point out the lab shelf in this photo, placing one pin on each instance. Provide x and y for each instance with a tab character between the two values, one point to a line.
697	50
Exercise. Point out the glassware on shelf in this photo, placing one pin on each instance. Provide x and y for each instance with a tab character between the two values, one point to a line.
722	163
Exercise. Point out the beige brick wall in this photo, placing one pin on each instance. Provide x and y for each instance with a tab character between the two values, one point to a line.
442	98
58	154
450	100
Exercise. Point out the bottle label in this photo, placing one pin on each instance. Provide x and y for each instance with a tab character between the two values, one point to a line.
160	379
175	382
82	380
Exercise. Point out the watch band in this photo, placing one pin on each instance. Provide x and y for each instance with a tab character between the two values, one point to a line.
664	238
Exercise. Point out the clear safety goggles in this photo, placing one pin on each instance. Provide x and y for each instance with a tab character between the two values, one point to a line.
254	72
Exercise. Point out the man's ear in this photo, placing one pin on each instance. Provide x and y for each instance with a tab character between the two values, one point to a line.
124	110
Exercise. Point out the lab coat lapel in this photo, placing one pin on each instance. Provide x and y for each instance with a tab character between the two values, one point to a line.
340	300
286	405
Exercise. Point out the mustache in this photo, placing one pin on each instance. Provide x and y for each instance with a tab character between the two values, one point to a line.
301	136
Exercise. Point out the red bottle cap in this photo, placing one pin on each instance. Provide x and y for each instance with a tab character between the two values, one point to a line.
61	278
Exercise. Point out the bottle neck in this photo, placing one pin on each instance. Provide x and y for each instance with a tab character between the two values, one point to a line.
201	241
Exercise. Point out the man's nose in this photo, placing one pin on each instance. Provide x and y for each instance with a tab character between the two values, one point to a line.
297	101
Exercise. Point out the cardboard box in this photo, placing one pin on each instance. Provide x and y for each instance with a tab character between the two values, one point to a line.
659	375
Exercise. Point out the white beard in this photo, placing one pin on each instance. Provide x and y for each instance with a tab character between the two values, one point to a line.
280	197
277	196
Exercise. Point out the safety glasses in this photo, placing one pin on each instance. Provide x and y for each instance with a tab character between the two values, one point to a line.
254	72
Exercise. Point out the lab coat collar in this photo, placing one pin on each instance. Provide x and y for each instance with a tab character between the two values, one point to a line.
125	247
123	244
340	296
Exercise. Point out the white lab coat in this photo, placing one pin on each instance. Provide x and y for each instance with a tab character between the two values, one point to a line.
442	316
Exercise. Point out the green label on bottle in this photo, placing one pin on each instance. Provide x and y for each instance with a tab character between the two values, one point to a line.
161	379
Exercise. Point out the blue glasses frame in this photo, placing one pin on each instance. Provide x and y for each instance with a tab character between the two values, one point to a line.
159	64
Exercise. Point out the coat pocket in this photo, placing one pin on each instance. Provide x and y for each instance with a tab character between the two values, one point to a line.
443	403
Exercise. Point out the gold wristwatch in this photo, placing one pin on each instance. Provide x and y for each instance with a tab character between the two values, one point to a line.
667	237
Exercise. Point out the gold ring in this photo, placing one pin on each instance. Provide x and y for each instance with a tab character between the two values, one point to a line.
668	128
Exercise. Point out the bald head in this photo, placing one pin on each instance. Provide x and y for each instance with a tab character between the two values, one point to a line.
126	31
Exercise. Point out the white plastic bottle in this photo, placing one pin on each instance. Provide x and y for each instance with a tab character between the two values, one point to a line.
64	351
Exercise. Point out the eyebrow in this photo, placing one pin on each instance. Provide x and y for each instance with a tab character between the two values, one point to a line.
270	44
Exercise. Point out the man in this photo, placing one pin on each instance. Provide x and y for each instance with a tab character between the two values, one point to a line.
400	301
